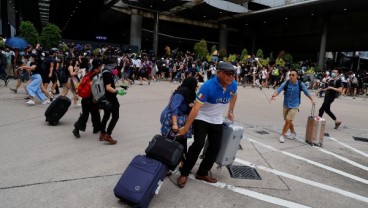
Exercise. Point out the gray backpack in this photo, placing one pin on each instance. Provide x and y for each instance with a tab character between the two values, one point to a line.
98	87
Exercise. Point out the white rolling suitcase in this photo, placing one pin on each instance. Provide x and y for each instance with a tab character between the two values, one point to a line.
230	142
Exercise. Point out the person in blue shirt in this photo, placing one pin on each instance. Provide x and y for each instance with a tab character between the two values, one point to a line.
291	102
174	115
213	98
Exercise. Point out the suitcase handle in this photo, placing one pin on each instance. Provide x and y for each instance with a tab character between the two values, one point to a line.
313	109
227	121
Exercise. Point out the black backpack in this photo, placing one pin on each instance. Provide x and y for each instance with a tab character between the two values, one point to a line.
63	76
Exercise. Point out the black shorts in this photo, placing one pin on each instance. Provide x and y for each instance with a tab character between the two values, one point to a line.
47	79
345	84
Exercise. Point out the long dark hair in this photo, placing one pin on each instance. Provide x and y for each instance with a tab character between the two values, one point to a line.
188	89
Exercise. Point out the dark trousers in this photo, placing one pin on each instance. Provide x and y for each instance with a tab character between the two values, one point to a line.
202	129
3	72
88	107
326	107
114	113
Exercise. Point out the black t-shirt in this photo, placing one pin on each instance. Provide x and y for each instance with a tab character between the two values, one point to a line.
109	79
37	70
331	94
53	60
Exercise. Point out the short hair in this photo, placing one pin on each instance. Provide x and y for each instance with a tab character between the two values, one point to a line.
294	70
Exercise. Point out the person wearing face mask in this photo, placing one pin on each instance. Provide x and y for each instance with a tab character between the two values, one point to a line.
24	74
332	91
110	92
34	87
89	106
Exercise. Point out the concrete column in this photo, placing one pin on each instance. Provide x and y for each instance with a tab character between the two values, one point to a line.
136	29
254	39
223	37
155	33
322	49
5	27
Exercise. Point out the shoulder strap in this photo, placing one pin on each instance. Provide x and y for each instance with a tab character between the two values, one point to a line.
286	85
300	90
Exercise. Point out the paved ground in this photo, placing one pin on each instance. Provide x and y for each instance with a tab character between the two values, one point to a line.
45	166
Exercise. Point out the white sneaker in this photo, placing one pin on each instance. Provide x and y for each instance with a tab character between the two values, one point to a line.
282	139
292	135
30	102
45	102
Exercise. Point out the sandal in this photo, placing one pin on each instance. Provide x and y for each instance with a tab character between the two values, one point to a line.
182	180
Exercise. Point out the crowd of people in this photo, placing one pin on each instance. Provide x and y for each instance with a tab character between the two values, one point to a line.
190	110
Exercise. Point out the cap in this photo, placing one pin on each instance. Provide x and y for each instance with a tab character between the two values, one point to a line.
226	66
96	63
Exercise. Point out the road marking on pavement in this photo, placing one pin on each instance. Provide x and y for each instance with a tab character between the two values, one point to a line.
344	159
305	181
350	147
348	175
252	194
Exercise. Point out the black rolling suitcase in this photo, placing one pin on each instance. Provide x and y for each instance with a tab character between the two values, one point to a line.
141	181
57	109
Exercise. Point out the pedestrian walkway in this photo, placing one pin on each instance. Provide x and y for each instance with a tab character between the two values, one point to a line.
46	166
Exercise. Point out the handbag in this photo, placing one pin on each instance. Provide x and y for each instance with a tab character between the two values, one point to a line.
165	150
166	123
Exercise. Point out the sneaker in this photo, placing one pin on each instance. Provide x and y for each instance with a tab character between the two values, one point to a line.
76	133
7	82
30	102
337	124
26	98
292	135
282	139
45	102
109	139
13	90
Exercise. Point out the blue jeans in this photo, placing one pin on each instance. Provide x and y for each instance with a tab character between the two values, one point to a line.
34	87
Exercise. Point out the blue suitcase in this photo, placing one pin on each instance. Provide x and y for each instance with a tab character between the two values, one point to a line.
141	181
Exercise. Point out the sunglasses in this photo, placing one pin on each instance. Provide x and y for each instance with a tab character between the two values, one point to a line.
292	75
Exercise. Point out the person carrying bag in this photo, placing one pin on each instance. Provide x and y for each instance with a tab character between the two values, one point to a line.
174	115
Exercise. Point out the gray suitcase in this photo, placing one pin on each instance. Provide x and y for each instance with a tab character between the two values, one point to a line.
230	143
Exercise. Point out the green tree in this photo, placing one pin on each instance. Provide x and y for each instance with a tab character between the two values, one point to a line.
213	49
244	54
28	31
223	53
231	58
280	62
200	49
50	36
264	62
260	54
288	58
